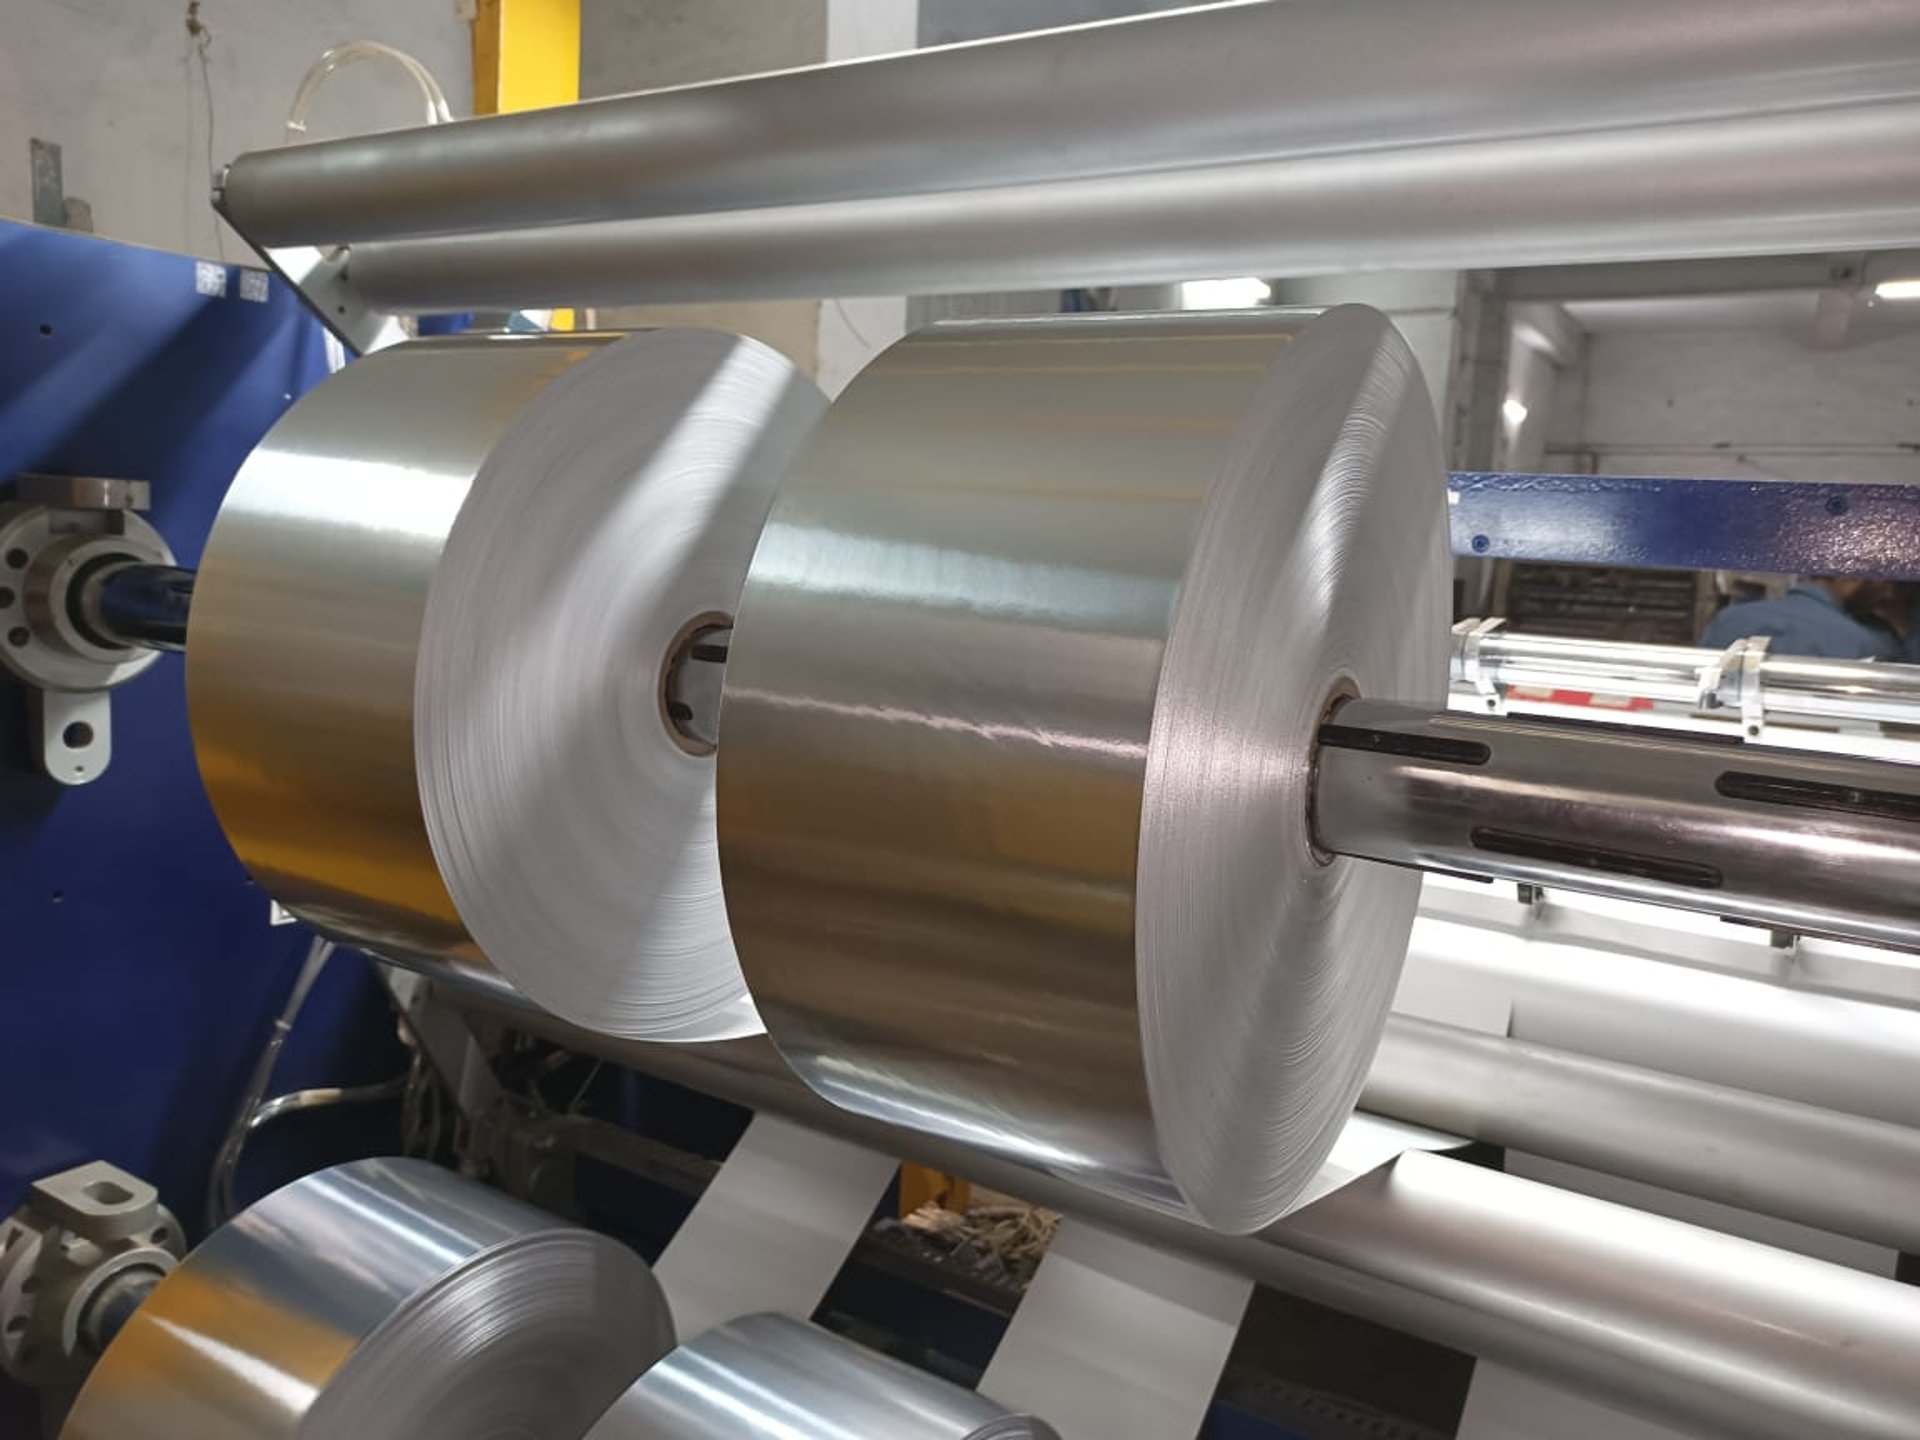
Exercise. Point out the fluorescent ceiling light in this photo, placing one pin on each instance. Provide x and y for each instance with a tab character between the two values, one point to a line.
1906	287
1235	294
1515	411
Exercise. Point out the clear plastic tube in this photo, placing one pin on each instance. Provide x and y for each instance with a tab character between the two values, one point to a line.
437	112
226	1162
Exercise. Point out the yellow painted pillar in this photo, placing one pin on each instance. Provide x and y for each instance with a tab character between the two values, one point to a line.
526	56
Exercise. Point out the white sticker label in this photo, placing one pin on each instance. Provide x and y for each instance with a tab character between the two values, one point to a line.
253	286
209	278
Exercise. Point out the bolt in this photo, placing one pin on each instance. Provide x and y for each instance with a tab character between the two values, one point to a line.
1836	504
18	636
1481	544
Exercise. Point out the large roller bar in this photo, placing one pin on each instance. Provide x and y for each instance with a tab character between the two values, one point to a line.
1208	86
1843	1173
1717	1335
1837	178
1819	1050
1815	844
1775	685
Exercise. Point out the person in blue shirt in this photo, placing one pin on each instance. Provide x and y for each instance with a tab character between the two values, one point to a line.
1833	618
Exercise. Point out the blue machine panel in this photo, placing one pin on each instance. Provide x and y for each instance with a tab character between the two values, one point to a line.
138	968
1774	526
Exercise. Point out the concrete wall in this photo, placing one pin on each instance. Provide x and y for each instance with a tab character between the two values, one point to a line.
646	44
1751	404
121	86
949	22
649	44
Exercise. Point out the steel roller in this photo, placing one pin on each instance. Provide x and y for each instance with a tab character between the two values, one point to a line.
1841	178
1218	85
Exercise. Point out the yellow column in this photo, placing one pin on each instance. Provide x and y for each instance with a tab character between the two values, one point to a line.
526	56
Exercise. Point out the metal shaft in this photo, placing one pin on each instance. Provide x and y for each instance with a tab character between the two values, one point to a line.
1815	844
1787	686
1839	178
1209	86
138	605
1837	1172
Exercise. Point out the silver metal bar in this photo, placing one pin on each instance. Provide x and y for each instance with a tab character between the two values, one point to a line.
1838	690
1842	1055
1815	844
1603	667
1811	180
1717	1335
138	604
1808	689
1836	1172
1212	85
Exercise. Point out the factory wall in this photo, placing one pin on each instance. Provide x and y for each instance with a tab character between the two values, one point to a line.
630	45
1749	404
144	110
645	44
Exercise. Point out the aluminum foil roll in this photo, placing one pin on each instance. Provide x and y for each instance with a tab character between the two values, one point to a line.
769	1377
381	1300
1017	740
427	652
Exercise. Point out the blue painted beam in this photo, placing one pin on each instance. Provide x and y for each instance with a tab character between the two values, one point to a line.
1776	526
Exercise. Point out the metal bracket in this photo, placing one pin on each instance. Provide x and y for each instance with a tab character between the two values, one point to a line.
72	733
445	1039
1468	636
321	278
75	1260
1733	681
1753	698
59	530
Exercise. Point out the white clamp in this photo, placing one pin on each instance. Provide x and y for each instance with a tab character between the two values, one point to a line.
1753	700
1469	634
1738	669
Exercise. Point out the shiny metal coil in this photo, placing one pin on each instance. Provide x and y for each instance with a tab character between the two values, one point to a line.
428	652
768	1377
1018	731
381	1300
